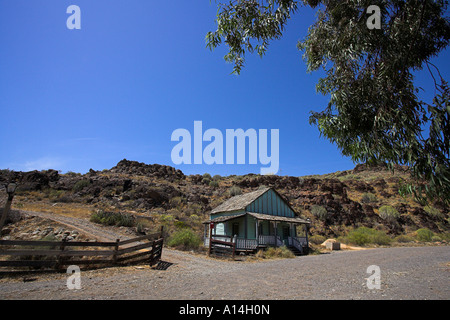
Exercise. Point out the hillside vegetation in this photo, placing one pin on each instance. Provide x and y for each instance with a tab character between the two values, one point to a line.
147	196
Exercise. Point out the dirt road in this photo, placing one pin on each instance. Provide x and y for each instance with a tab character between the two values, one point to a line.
406	273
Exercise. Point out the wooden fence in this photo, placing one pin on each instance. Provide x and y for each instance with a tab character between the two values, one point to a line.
57	254
222	248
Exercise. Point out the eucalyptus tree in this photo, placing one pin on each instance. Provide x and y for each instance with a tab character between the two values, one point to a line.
375	111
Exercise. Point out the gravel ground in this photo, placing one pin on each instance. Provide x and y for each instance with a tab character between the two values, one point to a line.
406	273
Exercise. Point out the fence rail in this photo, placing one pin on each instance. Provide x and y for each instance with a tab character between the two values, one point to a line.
222	248
56	254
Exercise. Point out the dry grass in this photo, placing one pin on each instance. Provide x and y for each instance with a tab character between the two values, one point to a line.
76	210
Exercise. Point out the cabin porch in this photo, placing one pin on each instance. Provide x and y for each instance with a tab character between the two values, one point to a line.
249	232
263	242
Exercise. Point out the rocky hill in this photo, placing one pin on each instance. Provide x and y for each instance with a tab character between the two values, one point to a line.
157	194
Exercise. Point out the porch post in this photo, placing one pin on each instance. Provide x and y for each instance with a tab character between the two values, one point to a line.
306	234
257	238
245	226
276	234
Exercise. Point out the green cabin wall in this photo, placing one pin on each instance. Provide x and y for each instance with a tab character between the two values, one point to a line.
225	228
268	203
271	203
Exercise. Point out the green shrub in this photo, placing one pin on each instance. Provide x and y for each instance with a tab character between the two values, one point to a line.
363	236
206	176
175	202
193	208
433	212
368	198
317	239
185	239
445	236
280	252
436	238
214	184
424	235
113	218
319	212
382	239
55	194
388	213
234	191
80	185
217	177
403	238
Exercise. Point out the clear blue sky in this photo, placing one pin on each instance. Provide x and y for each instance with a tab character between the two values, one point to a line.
136	71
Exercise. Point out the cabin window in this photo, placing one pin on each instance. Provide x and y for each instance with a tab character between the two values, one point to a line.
235	229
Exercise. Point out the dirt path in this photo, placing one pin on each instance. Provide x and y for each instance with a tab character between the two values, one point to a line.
406	273
101	233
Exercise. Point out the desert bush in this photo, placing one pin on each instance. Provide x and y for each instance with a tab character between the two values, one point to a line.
424	235
117	219
217	177
445	236
363	236
436	238
214	184
368	198
234	191
80	185
381	238
185	239
388	213
206	176
319	212
175	202
317	239
55	194
193	208
73	174
403	238
280	252
433	212
143	225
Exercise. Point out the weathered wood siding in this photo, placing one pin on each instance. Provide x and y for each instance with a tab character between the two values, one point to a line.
270	203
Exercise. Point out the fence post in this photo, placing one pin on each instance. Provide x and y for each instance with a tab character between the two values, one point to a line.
60	257
152	253
116	251
162	234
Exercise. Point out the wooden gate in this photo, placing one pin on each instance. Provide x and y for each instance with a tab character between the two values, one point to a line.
222	248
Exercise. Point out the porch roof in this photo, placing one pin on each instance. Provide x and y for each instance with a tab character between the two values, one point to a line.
269	217
259	216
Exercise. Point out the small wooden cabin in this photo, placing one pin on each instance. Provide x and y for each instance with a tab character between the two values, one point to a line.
258	219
